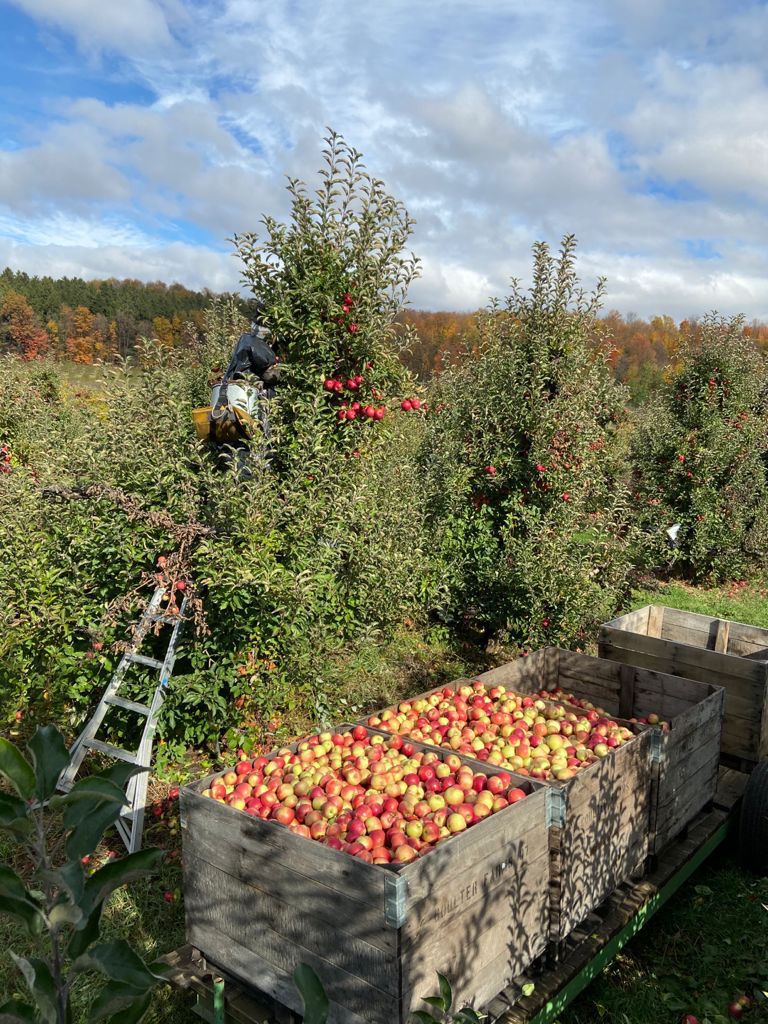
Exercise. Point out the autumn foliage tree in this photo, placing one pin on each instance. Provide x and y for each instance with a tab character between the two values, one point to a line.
20	329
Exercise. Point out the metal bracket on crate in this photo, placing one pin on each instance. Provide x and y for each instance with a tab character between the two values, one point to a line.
657	746
555	807
395	900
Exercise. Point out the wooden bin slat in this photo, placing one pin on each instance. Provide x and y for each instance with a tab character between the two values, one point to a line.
605	838
649	806
255	869
260	900
280	932
711	650
249	966
695	710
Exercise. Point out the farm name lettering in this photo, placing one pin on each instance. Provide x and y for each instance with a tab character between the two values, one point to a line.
468	892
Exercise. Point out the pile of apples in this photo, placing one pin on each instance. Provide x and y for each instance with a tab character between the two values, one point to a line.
531	735
374	797
570	698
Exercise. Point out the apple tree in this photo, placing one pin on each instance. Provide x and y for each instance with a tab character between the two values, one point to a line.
521	463
60	906
700	455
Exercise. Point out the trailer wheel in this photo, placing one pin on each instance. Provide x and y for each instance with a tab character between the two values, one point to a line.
753	826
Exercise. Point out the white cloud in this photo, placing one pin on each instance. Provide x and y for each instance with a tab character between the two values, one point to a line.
497	125
190	265
127	26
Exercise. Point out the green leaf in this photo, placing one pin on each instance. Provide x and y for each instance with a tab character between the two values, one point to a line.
16	1012
25	910
69	877
424	1017
528	988
41	985
313	995
119	773
65	913
118	962
117	873
116	999
17	770
88	830
92	788
468	1016
134	1013
13	813
49	759
11	884
446	992
86	933
438	1002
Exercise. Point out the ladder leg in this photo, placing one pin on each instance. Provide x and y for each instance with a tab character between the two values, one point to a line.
130	824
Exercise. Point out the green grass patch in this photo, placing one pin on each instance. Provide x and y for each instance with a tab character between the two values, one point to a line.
708	946
741	601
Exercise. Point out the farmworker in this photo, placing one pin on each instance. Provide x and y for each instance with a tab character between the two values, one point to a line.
254	371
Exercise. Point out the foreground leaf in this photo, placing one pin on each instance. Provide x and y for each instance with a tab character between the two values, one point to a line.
17	770
118	962
25	910
16	1012
40	983
13	813
118	873
85	835
313	995
120	1004
49	759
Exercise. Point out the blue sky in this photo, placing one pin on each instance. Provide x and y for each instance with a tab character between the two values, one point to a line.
136	136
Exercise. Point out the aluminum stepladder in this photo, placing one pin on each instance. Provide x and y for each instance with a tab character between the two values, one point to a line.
130	824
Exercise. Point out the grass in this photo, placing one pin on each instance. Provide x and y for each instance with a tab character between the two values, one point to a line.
741	601
707	946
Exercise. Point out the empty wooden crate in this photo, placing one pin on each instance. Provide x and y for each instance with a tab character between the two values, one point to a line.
716	651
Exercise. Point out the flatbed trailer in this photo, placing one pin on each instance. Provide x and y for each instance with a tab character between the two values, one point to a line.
587	951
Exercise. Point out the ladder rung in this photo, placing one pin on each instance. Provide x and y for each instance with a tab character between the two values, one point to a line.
116	752
140	659
129	705
163	618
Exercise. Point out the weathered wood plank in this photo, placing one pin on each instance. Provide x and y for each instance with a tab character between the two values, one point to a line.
678	815
627	680
655	625
363	920
745	726
674	654
607	673
509	924
762	743
249	967
690	620
754	636
484	845
345	874
248	914
721	636
606	833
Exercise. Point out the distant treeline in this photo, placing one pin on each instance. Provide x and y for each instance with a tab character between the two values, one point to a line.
641	351
71	318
